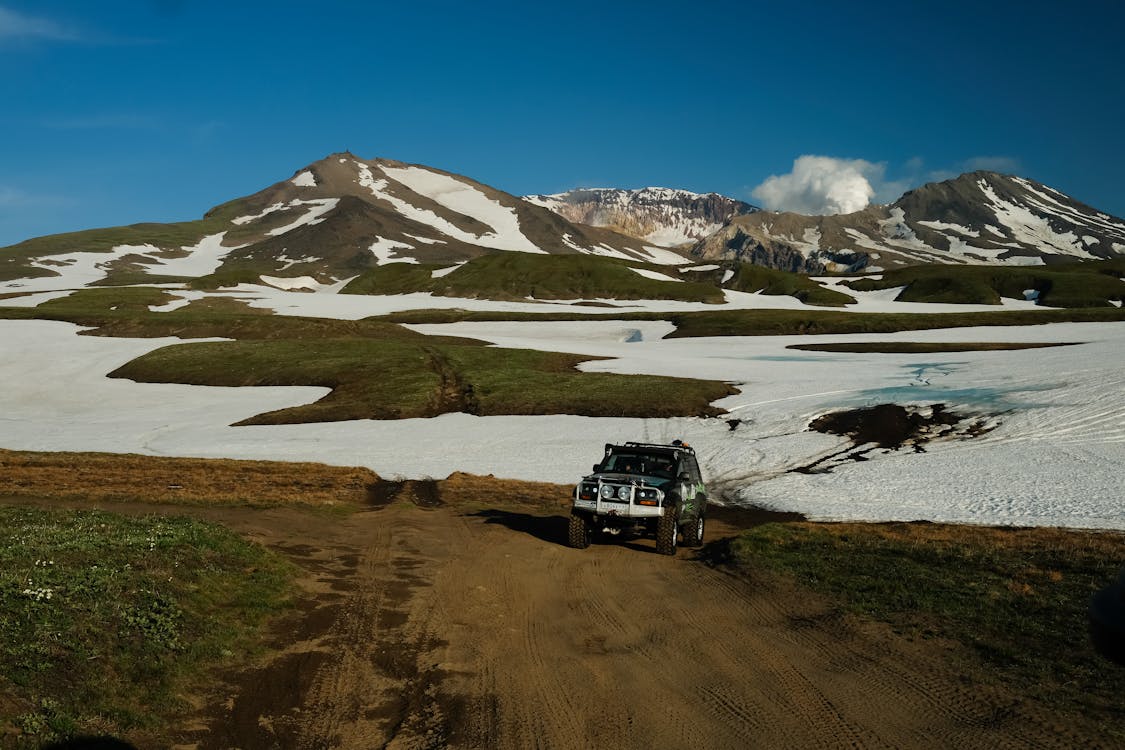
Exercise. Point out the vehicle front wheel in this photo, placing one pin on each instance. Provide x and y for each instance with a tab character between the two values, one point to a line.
578	533
693	533
666	531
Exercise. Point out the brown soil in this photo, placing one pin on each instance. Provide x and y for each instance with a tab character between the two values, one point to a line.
457	625
890	427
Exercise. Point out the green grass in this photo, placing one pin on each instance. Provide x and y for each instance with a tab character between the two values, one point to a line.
376	369
108	620
921	347
751	278
388	379
796	322
784	322
1015	599
517	276
15	259
1090	284
124	312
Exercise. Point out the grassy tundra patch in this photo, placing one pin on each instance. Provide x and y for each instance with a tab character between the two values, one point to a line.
1089	284
751	278
126	313
108	620
1015	599
783	322
197	481
922	347
401	379
518	276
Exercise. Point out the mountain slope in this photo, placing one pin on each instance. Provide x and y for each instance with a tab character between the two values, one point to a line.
330	221
661	216
980	217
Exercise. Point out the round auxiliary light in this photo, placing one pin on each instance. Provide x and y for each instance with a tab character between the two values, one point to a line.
623	493
607	491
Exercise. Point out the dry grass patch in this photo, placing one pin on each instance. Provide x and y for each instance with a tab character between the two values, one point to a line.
1014	599
106	476
473	490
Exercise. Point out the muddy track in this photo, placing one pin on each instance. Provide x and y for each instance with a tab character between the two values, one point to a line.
453	393
430	627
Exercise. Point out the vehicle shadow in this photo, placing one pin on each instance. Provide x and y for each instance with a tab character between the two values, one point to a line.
553	529
545	528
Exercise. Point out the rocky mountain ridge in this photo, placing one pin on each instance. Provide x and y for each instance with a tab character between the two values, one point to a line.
977	218
665	217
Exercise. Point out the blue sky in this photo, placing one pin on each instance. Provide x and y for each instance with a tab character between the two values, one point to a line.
155	110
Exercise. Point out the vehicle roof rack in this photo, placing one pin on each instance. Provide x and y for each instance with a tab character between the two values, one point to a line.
675	446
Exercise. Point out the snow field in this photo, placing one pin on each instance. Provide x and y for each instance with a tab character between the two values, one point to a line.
1055	459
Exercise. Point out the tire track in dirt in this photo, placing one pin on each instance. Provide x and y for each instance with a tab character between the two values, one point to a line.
447	628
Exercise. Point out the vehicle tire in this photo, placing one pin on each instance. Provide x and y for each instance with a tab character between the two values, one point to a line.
578	533
693	532
666	530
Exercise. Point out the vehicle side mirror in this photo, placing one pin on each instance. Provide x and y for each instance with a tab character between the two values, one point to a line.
597	468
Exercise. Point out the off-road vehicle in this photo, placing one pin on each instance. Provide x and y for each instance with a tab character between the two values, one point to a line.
641	489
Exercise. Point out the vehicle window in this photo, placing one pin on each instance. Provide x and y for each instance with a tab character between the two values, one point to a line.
633	463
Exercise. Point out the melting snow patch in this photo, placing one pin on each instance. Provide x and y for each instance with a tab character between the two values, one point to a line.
469	201
664	257
304	179
382	249
426	240
571	243
654	275
709	267
202	258
1030	294
727	276
941	225
444	271
34	300
318	208
253	217
300	282
1030	228
289	262
74	269
179	299
669	237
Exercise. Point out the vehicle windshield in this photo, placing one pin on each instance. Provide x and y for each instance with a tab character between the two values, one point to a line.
640	463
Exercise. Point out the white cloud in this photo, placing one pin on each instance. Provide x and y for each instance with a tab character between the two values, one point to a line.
15	25
821	185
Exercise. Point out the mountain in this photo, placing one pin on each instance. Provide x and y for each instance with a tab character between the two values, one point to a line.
977	218
331	220
659	216
342	219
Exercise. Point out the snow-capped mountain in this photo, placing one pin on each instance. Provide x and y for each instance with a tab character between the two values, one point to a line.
659	216
980	217
332	220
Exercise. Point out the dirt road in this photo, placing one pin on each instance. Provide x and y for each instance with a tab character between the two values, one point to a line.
438	627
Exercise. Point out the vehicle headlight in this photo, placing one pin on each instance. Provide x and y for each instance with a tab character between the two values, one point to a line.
607	492
623	493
